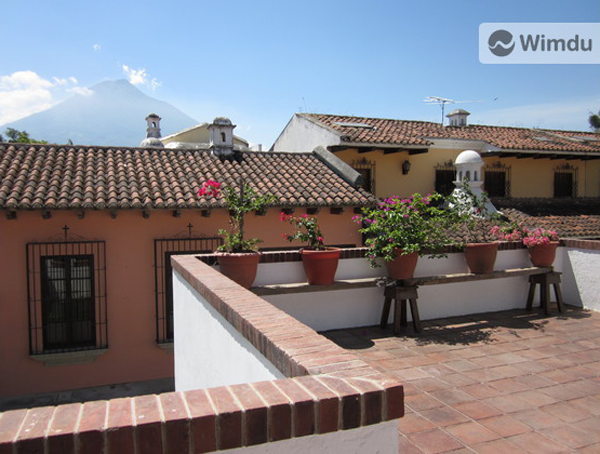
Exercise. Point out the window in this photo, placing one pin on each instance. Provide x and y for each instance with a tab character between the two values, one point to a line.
565	181
67	301
67	296
497	180
163	277
445	174
367	169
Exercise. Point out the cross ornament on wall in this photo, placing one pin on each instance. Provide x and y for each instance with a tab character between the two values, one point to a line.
66	229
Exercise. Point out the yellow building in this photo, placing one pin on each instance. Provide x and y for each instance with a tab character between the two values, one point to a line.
400	157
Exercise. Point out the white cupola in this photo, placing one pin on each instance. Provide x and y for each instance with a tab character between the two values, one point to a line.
469	178
152	139
221	136
458	117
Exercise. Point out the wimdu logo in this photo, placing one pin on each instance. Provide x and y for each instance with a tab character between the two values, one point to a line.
538	43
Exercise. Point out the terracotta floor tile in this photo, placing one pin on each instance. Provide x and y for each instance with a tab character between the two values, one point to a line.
420	402
461	365
573	436
444	416
535	381
566	412
535	398
458	380
480	391
476	410
508	385
535	442
536	419
471	433
500	446
412	373
504	425
407	447
430	384
414	422
592	449
507	404
590	404
435	441
451	396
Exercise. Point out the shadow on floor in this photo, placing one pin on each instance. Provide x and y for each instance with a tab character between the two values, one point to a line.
464	330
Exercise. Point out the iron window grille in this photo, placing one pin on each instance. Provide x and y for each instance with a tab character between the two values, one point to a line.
66	293
367	169
497	180
565	181
445	175
163	277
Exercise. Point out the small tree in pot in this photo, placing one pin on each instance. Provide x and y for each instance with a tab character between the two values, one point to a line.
237	257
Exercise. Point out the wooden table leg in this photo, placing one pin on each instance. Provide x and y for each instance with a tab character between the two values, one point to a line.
545	296
530	295
559	300
414	311
385	315
403	316
397	315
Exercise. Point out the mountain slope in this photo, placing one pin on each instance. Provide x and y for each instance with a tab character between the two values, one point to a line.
113	115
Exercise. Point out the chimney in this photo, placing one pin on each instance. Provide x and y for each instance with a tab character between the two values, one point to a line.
221	137
458	117
152	139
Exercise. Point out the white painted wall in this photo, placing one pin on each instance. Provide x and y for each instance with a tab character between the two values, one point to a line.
581	278
209	351
362	307
375	439
301	135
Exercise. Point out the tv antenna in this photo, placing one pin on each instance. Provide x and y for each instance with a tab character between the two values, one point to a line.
443	101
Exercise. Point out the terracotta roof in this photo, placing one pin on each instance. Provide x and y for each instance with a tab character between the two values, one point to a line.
364	130
569	217
67	177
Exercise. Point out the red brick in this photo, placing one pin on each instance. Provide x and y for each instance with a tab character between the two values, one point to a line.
280	410
229	418
255	414
351	405
328	404
372	400
120	427
61	436
148	433
204	420
92	424
33	430
10	422
177	424
303	407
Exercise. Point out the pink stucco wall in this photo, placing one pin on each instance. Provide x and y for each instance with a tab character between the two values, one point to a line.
132	354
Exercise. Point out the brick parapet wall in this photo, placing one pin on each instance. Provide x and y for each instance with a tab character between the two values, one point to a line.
592	245
328	390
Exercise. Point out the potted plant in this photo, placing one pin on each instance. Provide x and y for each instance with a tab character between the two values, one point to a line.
541	243
400	229
237	257
471	213
320	262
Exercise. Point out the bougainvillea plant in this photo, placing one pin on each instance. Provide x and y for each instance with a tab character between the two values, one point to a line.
405	225
307	231
516	232
240	200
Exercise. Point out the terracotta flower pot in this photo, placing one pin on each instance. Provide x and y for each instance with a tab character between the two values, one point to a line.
481	257
403	266
320	266
239	267
543	254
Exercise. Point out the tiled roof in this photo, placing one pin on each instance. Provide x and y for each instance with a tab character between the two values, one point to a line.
364	130
67	177
569	217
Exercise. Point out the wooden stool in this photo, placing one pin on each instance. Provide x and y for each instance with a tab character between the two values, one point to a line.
545	280
401	295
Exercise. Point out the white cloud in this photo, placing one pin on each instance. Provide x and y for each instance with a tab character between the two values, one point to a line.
96	47
81	91
24	93
569	114
140	77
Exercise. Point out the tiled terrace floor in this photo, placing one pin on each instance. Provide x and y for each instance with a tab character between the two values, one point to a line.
507	381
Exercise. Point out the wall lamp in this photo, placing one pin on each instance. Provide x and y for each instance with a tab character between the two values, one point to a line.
405	167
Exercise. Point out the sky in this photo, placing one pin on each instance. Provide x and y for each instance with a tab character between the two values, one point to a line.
259	62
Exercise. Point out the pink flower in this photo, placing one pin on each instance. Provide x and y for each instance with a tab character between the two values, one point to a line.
320	239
